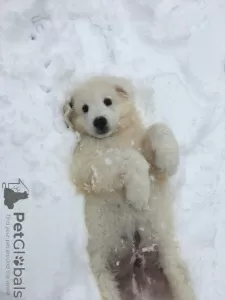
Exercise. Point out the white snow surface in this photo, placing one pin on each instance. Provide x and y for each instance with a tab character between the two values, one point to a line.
175	48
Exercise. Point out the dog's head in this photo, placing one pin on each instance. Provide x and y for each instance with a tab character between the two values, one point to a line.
100	106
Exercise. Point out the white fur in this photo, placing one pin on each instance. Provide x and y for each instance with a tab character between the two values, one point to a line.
124	177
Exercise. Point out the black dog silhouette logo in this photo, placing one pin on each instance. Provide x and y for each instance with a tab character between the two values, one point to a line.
14	192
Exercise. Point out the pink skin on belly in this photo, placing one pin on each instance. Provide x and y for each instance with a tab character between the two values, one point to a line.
140	277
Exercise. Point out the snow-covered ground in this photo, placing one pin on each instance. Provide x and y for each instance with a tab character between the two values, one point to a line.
176	47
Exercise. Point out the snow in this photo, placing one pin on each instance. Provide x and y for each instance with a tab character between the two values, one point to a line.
175	48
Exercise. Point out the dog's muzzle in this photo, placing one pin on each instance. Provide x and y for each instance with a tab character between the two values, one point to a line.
101	125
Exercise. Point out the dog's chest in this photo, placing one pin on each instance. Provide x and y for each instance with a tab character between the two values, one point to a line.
95	157
98	149
131	138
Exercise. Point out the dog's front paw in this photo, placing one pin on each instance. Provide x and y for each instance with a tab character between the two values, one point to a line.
137	185
138	196
165	148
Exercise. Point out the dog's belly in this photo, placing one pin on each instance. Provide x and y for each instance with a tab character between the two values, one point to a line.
108	218
140	276
148	283
111	224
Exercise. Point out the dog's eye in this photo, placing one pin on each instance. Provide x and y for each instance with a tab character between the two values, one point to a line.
107	101
85	108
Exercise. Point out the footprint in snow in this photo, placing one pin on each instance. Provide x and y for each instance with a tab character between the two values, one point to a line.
40	23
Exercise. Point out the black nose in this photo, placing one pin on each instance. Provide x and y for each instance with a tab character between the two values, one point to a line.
100	123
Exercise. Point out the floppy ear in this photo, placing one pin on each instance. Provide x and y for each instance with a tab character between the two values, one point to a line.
71	118
67	112
121	91
124	87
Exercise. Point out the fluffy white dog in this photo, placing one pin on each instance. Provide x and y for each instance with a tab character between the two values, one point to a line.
122	169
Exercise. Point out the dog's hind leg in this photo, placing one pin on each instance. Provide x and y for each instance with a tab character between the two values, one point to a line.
105	279
170	259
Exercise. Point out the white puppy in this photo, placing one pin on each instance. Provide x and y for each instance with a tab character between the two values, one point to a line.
122	169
